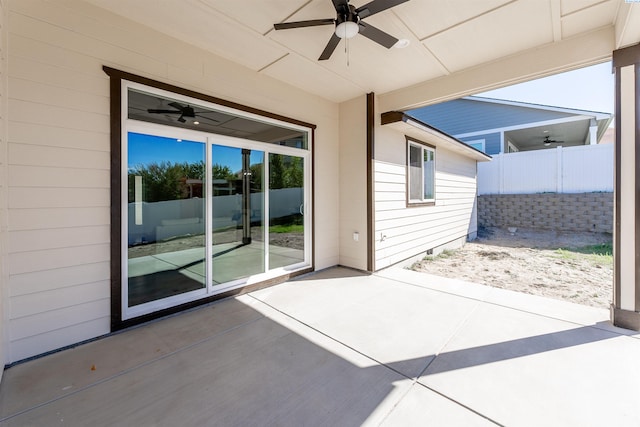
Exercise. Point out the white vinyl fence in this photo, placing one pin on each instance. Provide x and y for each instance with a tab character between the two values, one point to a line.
583	169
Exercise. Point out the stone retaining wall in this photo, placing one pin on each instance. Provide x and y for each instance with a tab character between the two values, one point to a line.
548	211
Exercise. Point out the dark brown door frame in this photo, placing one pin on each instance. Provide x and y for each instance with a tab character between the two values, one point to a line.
115	111
371	127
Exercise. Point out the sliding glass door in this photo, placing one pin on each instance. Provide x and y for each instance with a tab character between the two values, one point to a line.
206	214
237	213
165	217
213	199
286	210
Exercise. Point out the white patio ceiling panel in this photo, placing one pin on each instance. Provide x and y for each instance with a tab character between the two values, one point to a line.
627	24
570	6
446	36
260	15
493	35
303	73
200	25
430	18
600	15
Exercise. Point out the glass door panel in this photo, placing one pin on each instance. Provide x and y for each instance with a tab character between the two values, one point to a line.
286	210
166	228
237	213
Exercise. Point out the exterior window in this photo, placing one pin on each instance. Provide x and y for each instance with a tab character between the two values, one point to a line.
478	144
421	164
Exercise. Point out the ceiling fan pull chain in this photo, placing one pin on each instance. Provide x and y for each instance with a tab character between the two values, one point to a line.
346	49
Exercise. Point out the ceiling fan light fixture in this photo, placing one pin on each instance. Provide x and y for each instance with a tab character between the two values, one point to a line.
347	29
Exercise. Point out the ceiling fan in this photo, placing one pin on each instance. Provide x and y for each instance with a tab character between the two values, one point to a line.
548	141
348	22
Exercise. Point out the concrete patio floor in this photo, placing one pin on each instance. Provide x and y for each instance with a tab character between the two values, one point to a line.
343	348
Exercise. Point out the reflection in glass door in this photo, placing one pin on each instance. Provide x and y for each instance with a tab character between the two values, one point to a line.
237	213
286	210
204	218
166	228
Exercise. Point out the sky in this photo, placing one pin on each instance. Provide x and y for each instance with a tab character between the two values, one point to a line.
590	88
146	149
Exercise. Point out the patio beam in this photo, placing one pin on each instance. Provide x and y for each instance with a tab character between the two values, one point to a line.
625	310
576	52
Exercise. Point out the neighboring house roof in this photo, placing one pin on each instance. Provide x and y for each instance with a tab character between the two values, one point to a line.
524	124
413	127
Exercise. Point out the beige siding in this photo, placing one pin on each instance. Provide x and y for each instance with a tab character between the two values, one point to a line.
57	244
403	232
4	275
353	183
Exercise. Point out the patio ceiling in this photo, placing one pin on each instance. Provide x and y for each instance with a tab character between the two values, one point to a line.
570	133
445	37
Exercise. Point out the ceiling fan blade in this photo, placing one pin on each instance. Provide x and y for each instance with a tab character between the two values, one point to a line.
181	119
341	6
378	36
176	105
152	111
302	24
376	6
331	46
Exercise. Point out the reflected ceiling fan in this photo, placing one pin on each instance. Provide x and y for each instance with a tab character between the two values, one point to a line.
547	141
348	23
184	111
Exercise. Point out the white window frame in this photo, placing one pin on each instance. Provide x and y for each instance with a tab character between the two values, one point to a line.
481	142
130	125
422	147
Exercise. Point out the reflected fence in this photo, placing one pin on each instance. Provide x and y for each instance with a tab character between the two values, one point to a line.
158	221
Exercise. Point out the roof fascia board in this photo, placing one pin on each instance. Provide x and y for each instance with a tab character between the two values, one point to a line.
597	114
391	117
526	126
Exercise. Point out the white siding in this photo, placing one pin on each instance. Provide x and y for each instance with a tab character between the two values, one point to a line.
402	232
58	158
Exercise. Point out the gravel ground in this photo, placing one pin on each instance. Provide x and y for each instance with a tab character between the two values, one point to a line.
538	262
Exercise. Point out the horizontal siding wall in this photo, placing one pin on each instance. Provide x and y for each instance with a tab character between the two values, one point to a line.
4	275
402	232
59	156
461	116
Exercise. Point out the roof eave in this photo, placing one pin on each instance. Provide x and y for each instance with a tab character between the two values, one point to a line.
409	125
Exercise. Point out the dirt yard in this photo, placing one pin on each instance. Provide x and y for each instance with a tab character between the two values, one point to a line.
576	267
